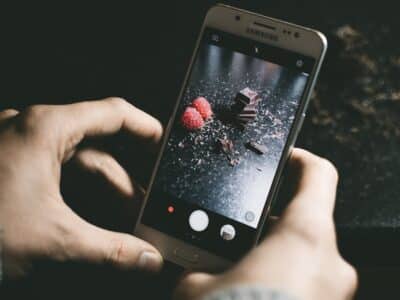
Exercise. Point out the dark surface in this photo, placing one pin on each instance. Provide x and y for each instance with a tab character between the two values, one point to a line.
64	54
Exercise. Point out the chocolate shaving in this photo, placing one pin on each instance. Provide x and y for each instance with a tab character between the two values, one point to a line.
256	147
226	145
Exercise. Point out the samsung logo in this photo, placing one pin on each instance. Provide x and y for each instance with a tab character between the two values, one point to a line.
262	34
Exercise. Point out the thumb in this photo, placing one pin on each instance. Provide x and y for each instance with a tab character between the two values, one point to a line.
193	285
121	250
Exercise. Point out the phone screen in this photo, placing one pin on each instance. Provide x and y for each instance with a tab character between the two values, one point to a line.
215	174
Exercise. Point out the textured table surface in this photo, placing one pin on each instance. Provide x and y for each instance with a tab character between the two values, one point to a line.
141	53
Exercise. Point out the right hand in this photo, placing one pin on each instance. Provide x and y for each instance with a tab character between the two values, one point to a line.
300	255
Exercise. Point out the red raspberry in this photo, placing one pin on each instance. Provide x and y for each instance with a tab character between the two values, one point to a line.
203	107
191	119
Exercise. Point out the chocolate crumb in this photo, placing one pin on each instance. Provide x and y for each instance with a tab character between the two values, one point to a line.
233	161
226	145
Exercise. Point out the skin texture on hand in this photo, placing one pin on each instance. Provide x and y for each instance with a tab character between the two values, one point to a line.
36	222
300	255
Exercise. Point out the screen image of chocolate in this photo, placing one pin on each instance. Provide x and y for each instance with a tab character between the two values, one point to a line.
247	115
249	109
247	96
256	147
245	107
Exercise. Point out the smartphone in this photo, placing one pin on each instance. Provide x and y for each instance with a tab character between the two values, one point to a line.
216	177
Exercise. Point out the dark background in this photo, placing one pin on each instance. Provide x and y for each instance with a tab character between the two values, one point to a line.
63	53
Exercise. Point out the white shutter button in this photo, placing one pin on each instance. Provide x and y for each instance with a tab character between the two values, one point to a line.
198	220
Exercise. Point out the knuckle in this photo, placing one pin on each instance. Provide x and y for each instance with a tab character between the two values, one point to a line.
36	118
118	102
116	252
67	240
328	168
349	275
315	231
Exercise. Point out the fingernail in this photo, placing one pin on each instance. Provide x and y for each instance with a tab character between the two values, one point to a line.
150	261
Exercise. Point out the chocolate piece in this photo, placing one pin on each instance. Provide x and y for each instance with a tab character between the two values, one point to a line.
238	107
245	107
247	96
247	116
242	122
248	110
257	148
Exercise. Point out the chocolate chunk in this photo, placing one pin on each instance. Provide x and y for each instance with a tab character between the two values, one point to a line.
248	110
242	122
238	107
245	107
256	147
247	96
233	161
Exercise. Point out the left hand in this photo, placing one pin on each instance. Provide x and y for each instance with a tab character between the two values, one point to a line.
36	222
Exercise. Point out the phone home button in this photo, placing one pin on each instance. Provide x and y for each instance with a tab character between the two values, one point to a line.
185	255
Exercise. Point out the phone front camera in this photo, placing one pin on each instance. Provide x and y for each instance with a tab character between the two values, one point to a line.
237	18
296	35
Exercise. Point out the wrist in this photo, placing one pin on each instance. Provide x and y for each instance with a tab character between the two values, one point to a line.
1	255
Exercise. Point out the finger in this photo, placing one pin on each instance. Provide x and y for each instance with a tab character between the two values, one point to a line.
92	118
269	226
123	251
192	286
7	114
315	194
104	164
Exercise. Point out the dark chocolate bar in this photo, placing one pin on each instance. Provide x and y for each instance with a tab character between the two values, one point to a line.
249	115
238	107
247	96
256	147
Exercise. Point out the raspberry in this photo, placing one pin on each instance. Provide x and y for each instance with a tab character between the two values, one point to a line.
203	107
191	119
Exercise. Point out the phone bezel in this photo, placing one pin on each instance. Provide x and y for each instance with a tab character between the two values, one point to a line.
222	17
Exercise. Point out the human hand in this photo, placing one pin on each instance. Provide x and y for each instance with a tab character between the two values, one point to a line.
300	254
36	222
